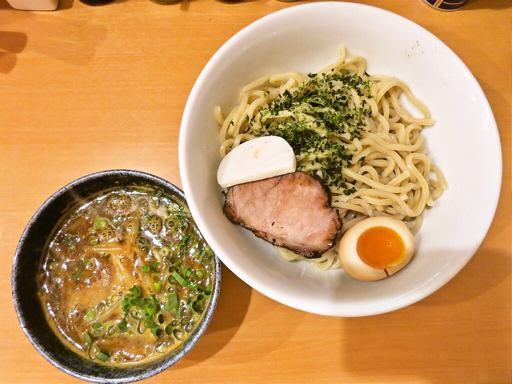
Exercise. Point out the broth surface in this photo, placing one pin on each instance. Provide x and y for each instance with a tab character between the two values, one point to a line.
126	277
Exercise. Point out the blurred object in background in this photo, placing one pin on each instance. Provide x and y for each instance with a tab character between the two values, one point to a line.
96	2
34	5
446	5
167	2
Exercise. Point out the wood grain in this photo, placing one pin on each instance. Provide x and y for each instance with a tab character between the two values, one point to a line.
91	88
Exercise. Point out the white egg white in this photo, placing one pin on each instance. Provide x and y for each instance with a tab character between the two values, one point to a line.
357	268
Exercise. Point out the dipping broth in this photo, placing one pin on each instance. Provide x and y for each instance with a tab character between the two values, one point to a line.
126	276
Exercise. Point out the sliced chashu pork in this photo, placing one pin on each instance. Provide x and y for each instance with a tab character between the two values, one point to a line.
291	211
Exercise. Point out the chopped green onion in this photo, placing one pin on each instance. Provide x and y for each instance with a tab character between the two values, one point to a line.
97	328
184	240
193	285
102	356
146	268
97	325
140	327
150	306
138	302
155	265
135	314
206	253
125	304
172	302
122	325
181	281
157	331
136	291
89	316
99	223
157	285
111	330
149	323
87	338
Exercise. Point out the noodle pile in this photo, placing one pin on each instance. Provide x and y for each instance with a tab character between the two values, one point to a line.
387	171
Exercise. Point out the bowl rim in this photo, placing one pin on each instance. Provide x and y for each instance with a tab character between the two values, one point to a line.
165	362
424	290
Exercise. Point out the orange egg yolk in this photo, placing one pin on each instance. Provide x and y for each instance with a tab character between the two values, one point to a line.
381	247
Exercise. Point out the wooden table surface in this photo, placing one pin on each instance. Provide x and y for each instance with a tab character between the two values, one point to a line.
91	88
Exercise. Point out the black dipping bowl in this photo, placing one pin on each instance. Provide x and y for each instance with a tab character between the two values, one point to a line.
26	264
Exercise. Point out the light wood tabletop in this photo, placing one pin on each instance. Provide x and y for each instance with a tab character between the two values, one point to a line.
87	88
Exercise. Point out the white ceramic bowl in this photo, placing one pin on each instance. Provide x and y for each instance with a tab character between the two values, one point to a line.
464	142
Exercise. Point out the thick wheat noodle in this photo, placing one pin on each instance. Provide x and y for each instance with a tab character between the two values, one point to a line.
390	169
376	200
382	149
355	206
399	178
372	183
256	83
370	170
398	147
255	104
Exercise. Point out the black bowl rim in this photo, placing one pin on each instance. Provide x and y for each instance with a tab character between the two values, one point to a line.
166	362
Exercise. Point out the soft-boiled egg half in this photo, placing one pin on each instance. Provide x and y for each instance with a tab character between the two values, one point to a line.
256	159
376	248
